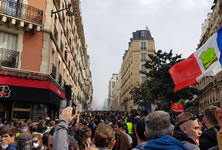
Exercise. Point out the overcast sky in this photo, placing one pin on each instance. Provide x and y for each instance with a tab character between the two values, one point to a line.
108	27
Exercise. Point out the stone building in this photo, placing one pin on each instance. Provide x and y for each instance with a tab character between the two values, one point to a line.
140	45
112	85
43	58
210	87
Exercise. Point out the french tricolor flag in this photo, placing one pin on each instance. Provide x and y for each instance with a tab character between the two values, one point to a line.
206	61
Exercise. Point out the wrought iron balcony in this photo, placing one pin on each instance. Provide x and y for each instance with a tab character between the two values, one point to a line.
9	58
53	71
22	11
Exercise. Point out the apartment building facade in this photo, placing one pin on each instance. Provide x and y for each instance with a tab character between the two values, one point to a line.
43	58
112	84
210	87
141	44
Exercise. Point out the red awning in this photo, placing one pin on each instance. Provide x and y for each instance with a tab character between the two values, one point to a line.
23	82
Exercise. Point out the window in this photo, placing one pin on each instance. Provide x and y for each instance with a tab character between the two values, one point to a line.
113	84
9	56
143	79
8	41
58	67
143	68
143	34
143	57
143	45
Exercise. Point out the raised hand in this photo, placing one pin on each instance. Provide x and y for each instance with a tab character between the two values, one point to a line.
67	114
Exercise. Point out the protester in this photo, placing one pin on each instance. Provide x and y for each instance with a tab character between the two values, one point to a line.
50	139
60	136
158	133
209	138
129	127
122	141
140	130
83	136
187	130
104	137
8	138
120	127
37	142
219	134
24	141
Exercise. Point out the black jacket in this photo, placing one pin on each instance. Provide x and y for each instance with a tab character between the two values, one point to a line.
185	139
208	139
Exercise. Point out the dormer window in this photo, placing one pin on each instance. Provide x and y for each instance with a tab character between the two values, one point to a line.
143	34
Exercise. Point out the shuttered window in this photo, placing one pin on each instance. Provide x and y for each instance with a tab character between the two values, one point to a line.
8	41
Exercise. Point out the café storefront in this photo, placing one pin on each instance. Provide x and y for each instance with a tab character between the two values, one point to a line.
29	96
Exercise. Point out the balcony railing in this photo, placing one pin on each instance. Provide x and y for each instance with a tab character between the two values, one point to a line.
9	58
21	11
53	71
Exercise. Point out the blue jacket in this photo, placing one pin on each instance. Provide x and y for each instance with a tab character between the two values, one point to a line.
164	143
11	146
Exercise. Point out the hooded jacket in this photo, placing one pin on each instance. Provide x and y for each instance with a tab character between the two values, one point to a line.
209	138
164	143
185	139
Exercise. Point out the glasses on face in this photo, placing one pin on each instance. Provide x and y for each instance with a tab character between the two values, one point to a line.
192	118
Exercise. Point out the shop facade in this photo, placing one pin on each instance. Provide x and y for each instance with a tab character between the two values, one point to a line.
29	96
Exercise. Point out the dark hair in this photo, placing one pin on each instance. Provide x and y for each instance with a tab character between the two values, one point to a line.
8	130
209	114
51	132
40	128
120	124
82	135
140	129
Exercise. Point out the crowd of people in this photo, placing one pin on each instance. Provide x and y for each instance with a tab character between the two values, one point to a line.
134	130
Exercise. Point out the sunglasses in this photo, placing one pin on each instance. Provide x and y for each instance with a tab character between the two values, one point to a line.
192	118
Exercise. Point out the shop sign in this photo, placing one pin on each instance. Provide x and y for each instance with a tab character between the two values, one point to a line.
5	91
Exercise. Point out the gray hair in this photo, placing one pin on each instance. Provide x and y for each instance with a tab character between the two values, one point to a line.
158	124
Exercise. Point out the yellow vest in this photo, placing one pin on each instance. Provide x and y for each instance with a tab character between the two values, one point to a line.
129	127
17	134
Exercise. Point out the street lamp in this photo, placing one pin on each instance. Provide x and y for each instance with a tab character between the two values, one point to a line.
68	13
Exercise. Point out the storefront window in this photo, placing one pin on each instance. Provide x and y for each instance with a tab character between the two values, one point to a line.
22	105
21	115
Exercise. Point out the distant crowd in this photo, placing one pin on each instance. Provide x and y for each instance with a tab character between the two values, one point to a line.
134	130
